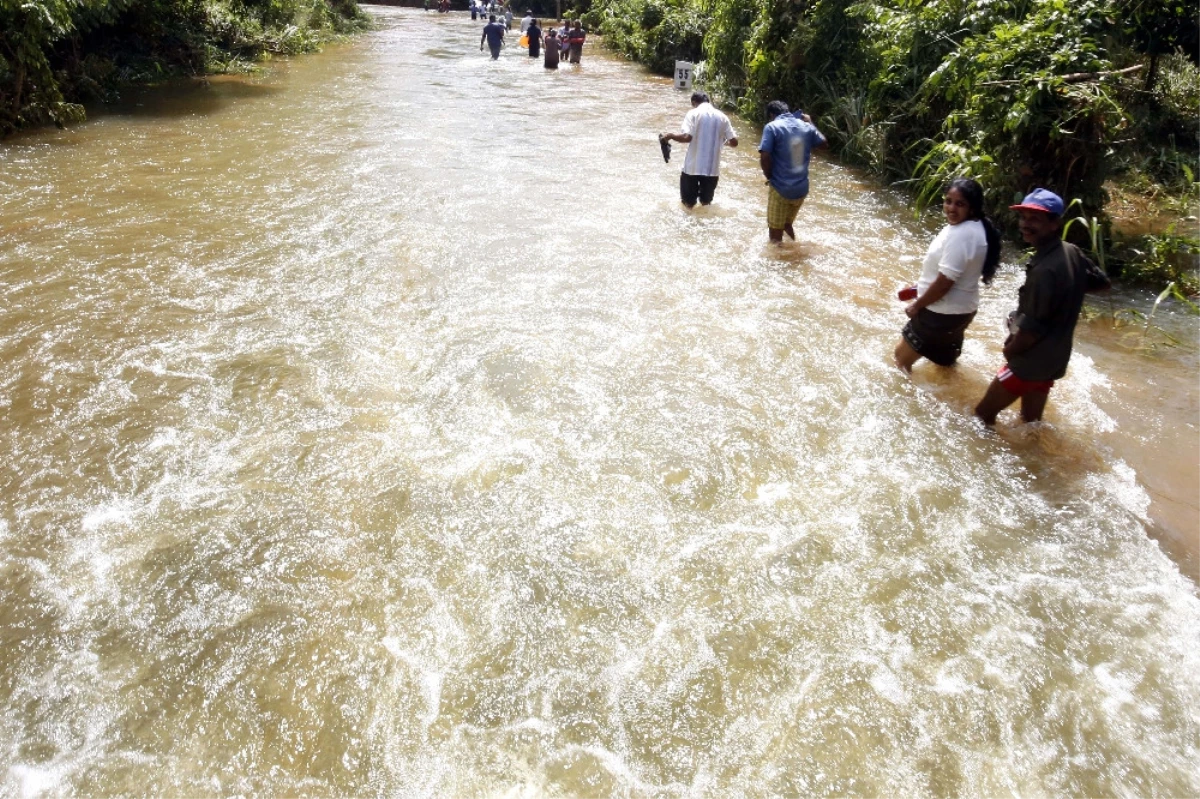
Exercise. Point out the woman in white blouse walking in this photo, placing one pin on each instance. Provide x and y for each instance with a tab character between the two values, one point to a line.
965	252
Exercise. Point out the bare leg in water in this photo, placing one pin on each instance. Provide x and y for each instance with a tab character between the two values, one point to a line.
776	234
997	398
905	356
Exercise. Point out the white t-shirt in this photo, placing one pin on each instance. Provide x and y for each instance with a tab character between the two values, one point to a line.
958	252
709	129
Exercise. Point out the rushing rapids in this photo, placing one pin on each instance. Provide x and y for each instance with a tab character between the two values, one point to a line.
382	425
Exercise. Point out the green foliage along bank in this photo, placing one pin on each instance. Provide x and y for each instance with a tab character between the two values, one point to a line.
57	54
1067	94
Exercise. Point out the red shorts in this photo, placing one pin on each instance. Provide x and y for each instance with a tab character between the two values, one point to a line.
1015	385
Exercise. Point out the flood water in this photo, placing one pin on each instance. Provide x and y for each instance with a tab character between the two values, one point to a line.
381	425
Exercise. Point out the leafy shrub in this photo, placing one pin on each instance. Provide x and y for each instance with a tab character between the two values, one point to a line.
655	32
1158	259
1176	98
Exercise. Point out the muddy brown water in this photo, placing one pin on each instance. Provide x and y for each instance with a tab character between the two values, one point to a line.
381	425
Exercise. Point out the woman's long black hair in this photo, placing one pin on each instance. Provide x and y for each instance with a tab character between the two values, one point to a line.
972	192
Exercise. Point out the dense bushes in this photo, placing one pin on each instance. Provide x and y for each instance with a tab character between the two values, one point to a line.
655	32
56	54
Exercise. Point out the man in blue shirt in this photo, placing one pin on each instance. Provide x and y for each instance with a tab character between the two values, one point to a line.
494	33
787	144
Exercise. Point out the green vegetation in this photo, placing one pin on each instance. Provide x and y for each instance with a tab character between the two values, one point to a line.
57	54
1080	96
654	32
1161	258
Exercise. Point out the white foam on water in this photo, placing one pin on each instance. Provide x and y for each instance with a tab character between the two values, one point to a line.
536	724
33	782
430	679
1118	690
525	791
1081	383
770	493
163	438
613	763
1122	483
887	685
951	683
119	513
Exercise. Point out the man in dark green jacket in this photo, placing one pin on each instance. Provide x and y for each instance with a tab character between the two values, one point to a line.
1042	328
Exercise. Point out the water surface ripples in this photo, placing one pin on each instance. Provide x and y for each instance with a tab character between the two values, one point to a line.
381	425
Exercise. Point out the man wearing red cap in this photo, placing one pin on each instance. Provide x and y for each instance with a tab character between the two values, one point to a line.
1041	330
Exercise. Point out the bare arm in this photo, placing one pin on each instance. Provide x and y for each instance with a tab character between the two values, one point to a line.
764	161
731	142
682	137
935	292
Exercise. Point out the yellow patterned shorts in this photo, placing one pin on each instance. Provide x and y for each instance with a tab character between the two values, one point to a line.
781	211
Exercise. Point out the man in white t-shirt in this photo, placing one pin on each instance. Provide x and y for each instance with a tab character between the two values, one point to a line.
705	131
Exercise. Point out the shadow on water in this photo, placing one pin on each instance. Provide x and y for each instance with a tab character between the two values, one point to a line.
185	97
790	253
713	212
173	99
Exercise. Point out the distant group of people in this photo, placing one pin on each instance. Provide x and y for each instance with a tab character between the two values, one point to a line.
567	40
478	9
559	43
965	253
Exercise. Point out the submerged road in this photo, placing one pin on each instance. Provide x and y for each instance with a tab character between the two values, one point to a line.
382	425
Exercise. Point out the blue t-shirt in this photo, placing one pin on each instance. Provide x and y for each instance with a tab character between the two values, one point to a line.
790	141
494	32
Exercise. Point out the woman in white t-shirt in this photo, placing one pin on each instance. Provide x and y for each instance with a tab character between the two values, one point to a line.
965	251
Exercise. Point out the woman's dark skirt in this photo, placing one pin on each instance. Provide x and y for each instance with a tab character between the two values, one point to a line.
937	336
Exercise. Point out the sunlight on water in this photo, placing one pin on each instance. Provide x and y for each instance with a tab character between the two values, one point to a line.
383	426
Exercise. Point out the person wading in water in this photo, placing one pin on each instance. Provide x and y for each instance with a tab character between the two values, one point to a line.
534	32
964	252
705	131
552	50
783	155
493	32
1041	330
576	38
